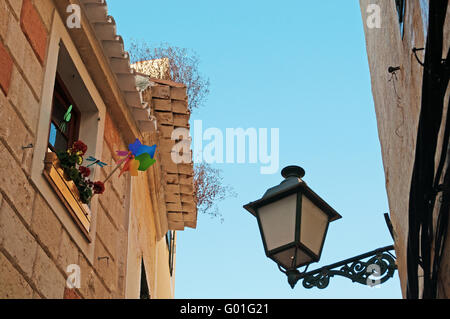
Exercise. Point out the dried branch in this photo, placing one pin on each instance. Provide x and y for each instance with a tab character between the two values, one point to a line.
209	189
183	67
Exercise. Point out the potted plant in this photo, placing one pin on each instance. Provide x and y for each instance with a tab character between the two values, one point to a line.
71	182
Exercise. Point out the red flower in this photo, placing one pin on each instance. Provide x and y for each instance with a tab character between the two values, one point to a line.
79	146
85	171
99	187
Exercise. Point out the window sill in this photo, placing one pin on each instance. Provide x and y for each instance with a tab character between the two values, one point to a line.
67	192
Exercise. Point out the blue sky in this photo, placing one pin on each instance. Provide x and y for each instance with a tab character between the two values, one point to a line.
300	66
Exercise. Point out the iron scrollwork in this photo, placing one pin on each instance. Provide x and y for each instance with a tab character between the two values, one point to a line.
375	271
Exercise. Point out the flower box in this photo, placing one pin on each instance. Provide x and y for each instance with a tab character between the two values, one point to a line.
67	192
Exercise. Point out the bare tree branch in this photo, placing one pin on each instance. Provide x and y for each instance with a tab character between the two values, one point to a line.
183	68
209	189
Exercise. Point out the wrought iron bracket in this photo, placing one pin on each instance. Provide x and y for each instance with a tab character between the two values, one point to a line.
414	50
379	268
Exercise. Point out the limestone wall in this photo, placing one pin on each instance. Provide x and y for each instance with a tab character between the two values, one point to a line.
38	238
397	100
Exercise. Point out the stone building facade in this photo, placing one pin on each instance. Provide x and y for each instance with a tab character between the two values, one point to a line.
392	30
125	247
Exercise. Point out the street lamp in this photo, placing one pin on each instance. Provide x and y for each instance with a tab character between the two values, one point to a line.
293	221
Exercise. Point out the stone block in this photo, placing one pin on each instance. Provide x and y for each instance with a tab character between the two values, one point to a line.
71	293
16	5
173	225
27	159
162	105
164	117
119	185
68	252
169	167
105	266
46	10
112	136
165	146
46	226
187	189
47	278
175	216
186	180
166	131
191	224
173	207
107	157
12	129
21	96
15	184
171	178
178	93
4	19
34	29
181	120
180	107
112	206
186	169
107	232
187	198
161	91
91	286
22	52
16	239
13	285
189	207
172	188
6	70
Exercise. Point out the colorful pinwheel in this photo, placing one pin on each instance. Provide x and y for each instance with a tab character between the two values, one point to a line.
139	157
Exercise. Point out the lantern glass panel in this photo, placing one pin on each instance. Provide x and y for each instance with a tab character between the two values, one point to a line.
278	222
313	226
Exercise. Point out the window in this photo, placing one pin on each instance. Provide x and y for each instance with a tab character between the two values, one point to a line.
170	240
63	133
401	4
73	116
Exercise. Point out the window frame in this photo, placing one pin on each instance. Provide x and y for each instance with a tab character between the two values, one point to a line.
65	189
